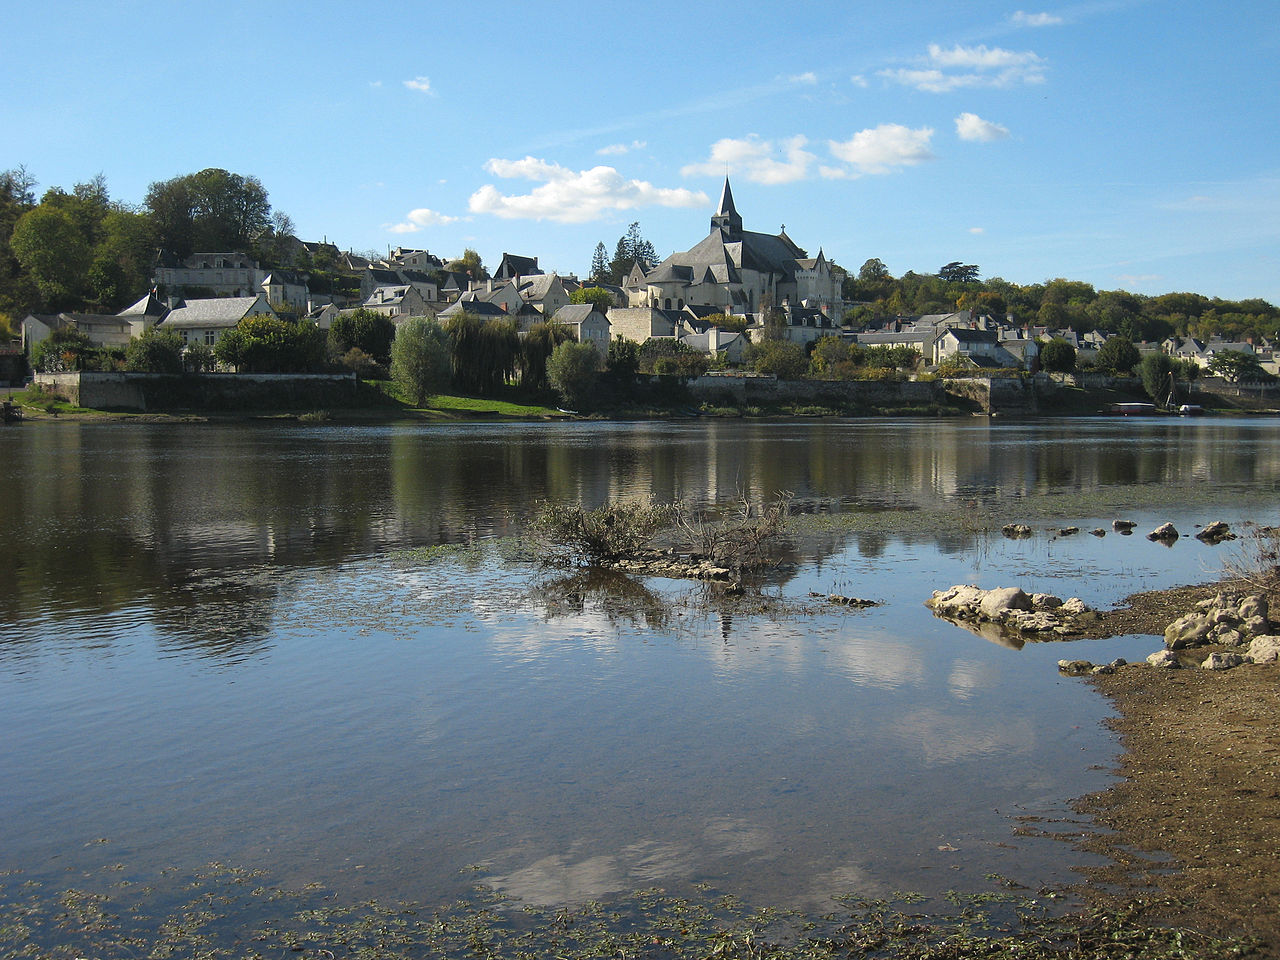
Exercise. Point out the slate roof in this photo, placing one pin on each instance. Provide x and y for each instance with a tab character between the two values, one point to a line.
576	313
215	312
148	306
965	335
516	266
477	308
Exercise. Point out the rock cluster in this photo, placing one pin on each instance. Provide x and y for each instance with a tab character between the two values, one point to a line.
1228	620
843	601
1010	608
655	564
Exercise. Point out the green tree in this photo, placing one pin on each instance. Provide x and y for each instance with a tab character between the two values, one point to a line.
957	272
1058	356
1156	371
364	329
470	264
600	264
421	361
54	251
485	352
631	248
213	210
572	370
873	271
65	349
266	344
601	297
782	358
624	358
1237	366
1118	355
536	347
18	294
834	358
157	350
670	357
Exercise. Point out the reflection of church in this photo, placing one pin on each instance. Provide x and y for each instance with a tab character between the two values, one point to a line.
735	270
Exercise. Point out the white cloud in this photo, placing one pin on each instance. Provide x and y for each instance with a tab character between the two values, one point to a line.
617	149
970	126
859	81
962	67
422	217
881	149
1133	281
421	84
977	230
1024	19
808	78
760	161
570	196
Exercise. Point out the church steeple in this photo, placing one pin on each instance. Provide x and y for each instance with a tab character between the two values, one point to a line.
726	218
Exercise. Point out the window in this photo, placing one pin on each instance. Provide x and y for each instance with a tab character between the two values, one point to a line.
209	337
183	335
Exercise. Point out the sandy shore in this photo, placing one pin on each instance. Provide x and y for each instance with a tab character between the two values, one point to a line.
1192	825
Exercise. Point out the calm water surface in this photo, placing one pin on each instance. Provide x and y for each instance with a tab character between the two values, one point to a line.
233	643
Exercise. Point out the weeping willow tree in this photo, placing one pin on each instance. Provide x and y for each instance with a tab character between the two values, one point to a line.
535	347
485	352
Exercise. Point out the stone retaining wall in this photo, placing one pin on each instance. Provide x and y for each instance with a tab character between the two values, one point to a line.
142	392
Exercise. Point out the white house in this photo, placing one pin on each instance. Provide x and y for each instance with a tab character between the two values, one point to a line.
206	321
588	324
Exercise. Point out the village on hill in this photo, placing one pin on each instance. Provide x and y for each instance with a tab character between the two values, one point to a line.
736	299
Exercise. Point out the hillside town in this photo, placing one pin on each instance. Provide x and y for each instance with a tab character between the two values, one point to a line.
732	289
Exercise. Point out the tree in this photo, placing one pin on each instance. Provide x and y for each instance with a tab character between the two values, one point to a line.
364	329
599	296
782	358
17	292
1156	371
213	210
421	359
1118	355
600	264
485	352
624	358
957	272
572	370
64	350
631	248
536	347
266	344
157	350
54	251
1058	356
873	271
470	264
1236	366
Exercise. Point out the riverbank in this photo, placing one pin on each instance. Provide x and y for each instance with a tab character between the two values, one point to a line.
1192	824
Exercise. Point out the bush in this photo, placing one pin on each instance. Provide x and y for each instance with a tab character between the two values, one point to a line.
668	356
616	531
366	330
1156	371
1118	355
363	365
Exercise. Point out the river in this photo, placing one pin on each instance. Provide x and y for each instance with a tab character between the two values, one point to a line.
326	650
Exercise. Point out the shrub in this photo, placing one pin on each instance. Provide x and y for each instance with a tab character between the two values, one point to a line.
782	358
156	351
1058	356
751	536
570	533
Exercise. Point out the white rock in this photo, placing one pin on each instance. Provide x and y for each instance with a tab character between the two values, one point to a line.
1222	661
1264	649
1165	659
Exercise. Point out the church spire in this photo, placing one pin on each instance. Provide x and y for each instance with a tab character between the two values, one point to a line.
726	219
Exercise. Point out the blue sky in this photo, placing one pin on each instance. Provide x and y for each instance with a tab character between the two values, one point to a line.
1133	144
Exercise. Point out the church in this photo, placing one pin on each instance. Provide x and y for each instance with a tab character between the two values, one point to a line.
736	271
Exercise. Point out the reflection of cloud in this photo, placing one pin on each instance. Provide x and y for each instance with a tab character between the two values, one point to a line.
969	678
556	880
883	663
946	738
732	835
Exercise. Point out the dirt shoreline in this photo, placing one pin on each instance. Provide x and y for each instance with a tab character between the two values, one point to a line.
1191	827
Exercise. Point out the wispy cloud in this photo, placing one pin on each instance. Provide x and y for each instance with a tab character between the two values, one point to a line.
807	79
962	67
618	149
760	161
977	231
1136	281
880	150
1023	19
421	84
417	219
970	126
571	196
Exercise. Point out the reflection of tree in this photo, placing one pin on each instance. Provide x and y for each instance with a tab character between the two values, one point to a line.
614	594
227	617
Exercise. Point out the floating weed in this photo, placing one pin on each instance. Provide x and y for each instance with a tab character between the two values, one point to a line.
217	916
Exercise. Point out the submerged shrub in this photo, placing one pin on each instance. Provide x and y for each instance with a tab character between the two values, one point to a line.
571	533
